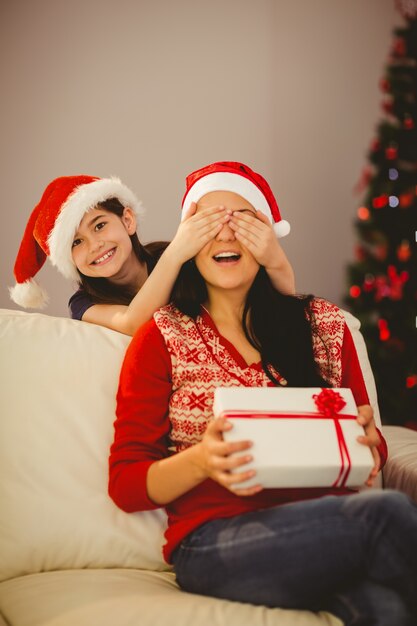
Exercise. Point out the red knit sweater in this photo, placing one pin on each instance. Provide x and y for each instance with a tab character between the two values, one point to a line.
143	427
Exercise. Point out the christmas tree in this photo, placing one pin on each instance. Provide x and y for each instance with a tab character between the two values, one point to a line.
382	289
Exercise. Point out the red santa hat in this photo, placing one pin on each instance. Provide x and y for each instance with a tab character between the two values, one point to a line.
240	179
51	228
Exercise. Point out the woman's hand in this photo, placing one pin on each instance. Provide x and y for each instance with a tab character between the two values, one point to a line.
370	439
196	230
216	462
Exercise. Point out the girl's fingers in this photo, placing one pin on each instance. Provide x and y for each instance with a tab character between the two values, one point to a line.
263	218
211	212
250	245
200	227
190	211
257	230
250	235
258	221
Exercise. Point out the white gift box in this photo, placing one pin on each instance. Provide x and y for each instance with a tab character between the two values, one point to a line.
301	437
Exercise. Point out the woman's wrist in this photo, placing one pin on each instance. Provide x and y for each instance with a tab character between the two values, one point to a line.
196	460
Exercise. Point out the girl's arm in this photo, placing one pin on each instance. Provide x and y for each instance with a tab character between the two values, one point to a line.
142	473
192	234
258	236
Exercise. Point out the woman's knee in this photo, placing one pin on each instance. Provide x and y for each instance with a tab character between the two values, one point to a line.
381	501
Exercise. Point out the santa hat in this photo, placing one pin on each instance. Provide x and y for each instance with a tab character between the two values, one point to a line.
51	228
240	179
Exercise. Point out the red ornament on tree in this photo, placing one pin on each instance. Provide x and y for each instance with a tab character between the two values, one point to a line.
368	283
384	332
379	202
355	291
391	153
363	213
387	106
399	48
375	145
360	253
409	123
380	252
411	381
406	200
404	251
384	85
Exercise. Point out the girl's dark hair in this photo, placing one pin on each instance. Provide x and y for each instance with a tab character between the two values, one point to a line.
279	326
101	290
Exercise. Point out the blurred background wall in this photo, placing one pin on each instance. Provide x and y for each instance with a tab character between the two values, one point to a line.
150	90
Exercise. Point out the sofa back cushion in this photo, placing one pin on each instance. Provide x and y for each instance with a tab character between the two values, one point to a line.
58	386
58	382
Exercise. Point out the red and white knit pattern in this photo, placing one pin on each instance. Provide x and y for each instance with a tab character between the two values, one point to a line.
328	324
200	363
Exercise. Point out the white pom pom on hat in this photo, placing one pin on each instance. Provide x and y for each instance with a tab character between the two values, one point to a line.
238	178
51	228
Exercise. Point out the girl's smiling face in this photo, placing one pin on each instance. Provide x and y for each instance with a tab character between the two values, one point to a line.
224	262
102	246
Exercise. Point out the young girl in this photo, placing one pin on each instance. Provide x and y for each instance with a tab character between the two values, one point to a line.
334	549
87	227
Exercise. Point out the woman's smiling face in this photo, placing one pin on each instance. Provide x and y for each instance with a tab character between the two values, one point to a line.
224	262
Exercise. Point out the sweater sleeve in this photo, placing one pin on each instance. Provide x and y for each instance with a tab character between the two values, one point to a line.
78	304
352	377
142	425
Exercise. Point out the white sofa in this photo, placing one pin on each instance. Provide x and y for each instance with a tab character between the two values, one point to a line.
68	555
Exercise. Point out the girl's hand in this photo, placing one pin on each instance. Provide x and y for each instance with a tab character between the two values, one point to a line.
258	236
216	462
370	439
196	230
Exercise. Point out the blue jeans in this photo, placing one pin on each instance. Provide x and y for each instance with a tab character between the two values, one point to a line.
355	556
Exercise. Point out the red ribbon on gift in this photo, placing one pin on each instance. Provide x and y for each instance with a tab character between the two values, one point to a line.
329	403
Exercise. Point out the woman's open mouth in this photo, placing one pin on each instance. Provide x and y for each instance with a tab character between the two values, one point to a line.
104	258
226	258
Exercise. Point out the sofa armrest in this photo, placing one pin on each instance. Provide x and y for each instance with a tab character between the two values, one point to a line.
400	471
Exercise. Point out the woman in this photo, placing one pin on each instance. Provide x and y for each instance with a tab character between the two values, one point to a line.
87	227
317	549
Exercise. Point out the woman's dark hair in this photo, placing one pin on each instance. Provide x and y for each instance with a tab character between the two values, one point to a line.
279	326
101	290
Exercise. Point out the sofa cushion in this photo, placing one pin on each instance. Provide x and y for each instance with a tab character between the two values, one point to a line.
400	471
131	598
59	379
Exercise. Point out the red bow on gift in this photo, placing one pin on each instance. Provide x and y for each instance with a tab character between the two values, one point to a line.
329	402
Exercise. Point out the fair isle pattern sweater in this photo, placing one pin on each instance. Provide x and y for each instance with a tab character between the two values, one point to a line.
170	370
201	362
